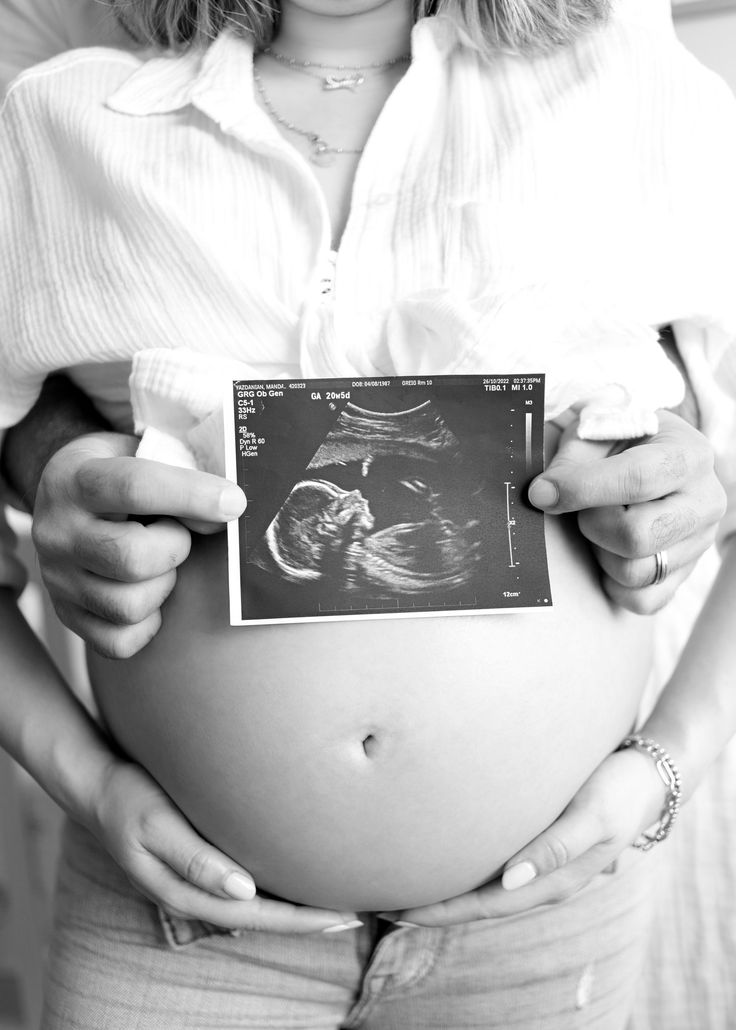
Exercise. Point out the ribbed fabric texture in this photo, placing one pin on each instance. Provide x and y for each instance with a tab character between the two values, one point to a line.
508	215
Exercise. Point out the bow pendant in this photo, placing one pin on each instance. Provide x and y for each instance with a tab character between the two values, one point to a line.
351	82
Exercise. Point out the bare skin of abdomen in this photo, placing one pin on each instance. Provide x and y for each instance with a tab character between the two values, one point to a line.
378	764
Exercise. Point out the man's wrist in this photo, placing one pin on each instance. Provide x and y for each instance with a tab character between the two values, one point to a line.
61	414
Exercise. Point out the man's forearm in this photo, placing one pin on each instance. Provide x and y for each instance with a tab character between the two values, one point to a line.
61	414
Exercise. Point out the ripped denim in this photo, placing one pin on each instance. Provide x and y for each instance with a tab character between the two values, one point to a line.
117	964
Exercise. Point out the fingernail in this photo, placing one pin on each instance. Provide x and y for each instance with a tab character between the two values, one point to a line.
518	875
543	494
240	887
352	925
390	917
232	502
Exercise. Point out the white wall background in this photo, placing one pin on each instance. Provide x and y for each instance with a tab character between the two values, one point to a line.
712	38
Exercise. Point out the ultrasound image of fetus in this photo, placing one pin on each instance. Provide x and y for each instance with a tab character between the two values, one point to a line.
310	530
392	508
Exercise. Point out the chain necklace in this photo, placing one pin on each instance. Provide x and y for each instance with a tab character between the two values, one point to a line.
323	153
332	81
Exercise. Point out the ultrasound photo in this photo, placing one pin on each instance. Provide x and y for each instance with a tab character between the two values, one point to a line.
385	497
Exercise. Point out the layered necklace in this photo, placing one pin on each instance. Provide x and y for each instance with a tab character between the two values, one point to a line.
332	77
333	80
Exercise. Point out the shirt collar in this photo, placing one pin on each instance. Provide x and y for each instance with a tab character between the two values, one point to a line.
217	80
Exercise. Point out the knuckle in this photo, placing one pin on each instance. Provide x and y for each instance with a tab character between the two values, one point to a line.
128	554
577	487
172	542
607	528
669	527
635	477
677	463
130	851
148	823
103	545
43	535
93	481
634	536
642	575
554	852
126	607
632	575
53	580
197	865
98	602
117	645
58	481
128	610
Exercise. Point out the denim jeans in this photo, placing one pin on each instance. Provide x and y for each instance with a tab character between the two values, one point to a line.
116	964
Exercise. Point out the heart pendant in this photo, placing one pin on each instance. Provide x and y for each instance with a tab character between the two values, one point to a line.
322	154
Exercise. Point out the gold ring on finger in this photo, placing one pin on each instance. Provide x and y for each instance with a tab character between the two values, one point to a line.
661	568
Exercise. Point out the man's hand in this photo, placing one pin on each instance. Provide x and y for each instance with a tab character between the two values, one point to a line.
108	575
659	494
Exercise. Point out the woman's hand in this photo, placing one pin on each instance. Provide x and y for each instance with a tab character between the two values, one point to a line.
623	797
108	575
168	862
659	494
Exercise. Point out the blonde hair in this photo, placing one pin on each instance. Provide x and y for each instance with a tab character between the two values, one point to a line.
518	25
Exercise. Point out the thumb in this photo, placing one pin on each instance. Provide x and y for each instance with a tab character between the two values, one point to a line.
575	476
198	862
565	840
203	528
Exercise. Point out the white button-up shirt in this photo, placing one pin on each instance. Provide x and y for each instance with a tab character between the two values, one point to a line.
508	214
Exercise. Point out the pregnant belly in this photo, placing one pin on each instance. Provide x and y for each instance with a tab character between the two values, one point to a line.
377	764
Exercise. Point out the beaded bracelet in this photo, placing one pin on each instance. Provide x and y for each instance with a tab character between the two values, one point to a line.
670	776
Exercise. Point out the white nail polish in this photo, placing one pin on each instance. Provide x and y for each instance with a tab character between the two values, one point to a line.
518	875
239	887
403	922
352	925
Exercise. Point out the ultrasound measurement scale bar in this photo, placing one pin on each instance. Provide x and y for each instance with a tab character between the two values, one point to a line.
392	606
510	523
